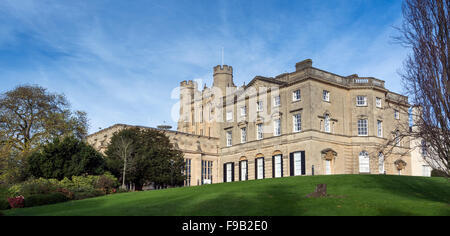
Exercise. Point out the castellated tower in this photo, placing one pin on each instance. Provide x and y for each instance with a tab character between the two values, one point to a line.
187	93
223	77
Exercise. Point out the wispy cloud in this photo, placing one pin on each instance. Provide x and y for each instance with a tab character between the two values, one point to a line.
121	61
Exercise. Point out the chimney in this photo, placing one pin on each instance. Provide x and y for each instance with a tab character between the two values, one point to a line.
303	64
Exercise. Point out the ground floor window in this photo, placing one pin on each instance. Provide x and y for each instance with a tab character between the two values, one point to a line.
228	172
364	165
259	168
277	166
243	170
207	172
328	167
187	172
381	163
297	163
426	170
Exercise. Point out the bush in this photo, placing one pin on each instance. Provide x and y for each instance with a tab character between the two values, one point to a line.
107	183
437	173
16	202
87	194
34	186
4	204
44	199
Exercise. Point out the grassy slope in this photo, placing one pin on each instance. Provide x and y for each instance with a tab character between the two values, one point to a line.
363	195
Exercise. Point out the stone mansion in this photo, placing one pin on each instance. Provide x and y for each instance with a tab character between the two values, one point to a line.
306	122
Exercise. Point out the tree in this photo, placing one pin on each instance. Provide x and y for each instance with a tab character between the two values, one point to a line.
65	158
166	162
122	150
152	160
30	116
425	75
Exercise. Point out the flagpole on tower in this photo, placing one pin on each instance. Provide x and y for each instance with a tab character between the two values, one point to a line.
222	56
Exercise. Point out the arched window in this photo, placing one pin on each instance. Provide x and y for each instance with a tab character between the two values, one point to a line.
364	166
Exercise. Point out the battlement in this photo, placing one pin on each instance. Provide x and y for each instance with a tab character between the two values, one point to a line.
188	84
225	69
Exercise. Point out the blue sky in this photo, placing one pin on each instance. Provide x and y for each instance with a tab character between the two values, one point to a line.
120	61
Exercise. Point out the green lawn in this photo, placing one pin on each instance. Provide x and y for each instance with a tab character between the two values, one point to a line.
351	195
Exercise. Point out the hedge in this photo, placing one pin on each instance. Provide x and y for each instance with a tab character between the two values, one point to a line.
44	199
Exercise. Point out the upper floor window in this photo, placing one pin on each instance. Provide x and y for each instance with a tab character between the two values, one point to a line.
277	127
243	110
362	127
378	102
243	135
396	114
397	137
361	101
276	101
296	96
259	106
229	139
327	126
380	128
229	115
326	95
259	131
297	123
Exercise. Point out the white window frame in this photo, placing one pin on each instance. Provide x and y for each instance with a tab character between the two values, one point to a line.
297	163
229	115
277	127
297	123
278	166
243	111
244	170
326	95
259	168
229	138
380	128
259	131
378	102
296	95
259	106
381	168
277	101
244	135
364	159
396	114
359	99
327	125
229	173
363	127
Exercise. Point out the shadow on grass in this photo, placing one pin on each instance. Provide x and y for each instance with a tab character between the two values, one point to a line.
425	188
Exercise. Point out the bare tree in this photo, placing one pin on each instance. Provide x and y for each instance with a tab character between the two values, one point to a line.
125	150
425	76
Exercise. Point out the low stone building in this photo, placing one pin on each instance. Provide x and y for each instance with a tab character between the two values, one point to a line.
305	122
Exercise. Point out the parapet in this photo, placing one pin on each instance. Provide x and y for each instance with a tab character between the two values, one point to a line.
188	84
225	69
303	64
